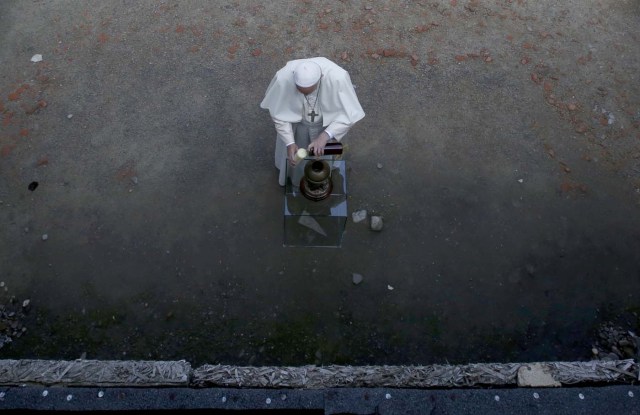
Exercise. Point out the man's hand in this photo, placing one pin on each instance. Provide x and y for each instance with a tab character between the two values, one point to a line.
317	146
291	153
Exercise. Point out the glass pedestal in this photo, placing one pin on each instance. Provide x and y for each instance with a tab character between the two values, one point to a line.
311	223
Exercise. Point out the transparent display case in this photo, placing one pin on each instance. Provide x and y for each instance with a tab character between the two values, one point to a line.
311	223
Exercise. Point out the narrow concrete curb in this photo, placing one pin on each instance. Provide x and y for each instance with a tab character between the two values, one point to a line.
96	373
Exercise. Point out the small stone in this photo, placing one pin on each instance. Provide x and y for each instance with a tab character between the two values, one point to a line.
531	270
387	396
26	303
100	394
535	375
69	397
624	343
609	357
359	215
357	278
572	107
36	58
390	288
69	116
520	180
45	393
376	223
134	179
2	284
379	165
45	237
628	352
594	351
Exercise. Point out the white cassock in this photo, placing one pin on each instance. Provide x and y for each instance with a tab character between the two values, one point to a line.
333	107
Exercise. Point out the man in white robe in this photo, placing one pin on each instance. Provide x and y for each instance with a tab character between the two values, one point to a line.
311	101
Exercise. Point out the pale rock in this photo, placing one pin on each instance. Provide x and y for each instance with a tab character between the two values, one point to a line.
357	278
359	215
535	375
376	223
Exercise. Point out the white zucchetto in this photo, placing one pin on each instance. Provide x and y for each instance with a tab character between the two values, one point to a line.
307	74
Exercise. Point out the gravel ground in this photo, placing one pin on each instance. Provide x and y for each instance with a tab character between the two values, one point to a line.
508	138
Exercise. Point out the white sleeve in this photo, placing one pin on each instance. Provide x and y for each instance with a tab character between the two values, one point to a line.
337	130
285	131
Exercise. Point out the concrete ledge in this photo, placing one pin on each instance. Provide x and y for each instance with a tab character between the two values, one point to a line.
179	373
95	373
440	376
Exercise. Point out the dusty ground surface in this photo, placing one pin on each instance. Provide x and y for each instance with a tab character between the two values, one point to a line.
508	133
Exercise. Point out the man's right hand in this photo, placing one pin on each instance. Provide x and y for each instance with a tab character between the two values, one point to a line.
291	153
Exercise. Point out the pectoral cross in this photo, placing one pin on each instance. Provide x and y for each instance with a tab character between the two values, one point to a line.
312	114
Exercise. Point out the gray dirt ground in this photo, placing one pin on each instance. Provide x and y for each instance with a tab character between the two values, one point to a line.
509	138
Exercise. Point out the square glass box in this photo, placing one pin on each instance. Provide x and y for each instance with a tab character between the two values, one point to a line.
309	223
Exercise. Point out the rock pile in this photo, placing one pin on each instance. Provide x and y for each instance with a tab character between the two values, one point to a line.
616	343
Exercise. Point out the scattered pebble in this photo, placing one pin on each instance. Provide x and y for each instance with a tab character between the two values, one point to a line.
224	399
36	58
26	303
357	278
69	397
387	396
535	395
520	180
359	215
45	237
268	401
2	284
379	165
630	394
134	179
390	288
45	393
100	394
69	116
581	396
376	223
497	398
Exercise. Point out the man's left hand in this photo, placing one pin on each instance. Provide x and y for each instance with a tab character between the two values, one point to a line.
317	146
